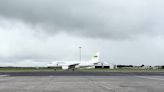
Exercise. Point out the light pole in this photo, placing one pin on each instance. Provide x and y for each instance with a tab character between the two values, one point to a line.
80	53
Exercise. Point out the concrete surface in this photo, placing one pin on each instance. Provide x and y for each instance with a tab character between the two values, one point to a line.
81	83
82	73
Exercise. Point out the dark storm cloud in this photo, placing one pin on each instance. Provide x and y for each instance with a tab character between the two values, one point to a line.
115	19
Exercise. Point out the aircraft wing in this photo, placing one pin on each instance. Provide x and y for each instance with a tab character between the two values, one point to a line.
73	65
70	66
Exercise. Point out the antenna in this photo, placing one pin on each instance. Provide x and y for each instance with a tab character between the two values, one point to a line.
80	53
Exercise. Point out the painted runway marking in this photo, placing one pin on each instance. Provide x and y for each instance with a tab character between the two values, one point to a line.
80	82
105	86
3	75
152	78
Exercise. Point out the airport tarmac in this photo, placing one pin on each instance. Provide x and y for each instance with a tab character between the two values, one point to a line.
81	83
82	73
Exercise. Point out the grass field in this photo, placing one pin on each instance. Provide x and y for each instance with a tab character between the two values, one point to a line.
125	70
82	70
28	69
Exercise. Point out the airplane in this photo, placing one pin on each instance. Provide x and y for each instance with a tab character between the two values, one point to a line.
76	64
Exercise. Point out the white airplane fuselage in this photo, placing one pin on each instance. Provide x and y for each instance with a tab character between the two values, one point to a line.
76	64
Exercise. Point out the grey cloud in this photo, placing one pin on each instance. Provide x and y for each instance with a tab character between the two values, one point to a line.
115	19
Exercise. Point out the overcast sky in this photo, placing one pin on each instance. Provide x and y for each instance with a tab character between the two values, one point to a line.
35	32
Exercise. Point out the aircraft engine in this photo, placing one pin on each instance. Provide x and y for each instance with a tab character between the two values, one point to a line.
77	66
65	67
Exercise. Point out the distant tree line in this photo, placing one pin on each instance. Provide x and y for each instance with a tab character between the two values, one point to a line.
162	67
122	66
